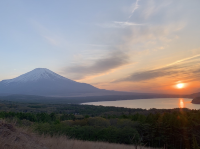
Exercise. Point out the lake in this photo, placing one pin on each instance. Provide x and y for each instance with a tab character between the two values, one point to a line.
158	103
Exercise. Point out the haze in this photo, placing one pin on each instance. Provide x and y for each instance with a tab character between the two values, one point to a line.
124	45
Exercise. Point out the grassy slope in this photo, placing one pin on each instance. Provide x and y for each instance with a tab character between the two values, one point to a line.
12	137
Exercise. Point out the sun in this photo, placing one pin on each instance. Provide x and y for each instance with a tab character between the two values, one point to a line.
180	85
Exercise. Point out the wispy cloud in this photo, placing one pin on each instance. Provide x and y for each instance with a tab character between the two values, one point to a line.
118	24
185	69
182	60
51	37
129	37
134	8
52	40
128	46
114	60
124	24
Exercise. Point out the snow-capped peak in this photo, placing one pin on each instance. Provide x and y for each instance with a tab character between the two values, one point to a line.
36	74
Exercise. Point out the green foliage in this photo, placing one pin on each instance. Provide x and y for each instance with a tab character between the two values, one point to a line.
39	117
35	106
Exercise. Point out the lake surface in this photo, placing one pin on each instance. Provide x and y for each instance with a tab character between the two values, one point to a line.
158	103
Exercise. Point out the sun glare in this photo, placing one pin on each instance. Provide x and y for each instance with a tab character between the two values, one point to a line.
180	85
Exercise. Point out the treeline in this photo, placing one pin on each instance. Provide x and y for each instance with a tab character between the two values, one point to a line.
64	108
38	117
172	129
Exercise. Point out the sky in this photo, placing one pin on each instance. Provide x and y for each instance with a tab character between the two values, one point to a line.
124	45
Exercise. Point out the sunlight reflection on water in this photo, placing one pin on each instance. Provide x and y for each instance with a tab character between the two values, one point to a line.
181	103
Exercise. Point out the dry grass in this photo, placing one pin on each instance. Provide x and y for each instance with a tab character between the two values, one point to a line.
12	138
17	138
64	143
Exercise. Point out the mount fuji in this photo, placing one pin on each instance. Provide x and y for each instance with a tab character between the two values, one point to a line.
42	81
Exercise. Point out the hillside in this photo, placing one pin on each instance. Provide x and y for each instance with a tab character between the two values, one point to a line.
16	138
196	100
12	137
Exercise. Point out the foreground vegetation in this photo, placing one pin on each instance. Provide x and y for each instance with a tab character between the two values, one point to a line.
12	137
176	128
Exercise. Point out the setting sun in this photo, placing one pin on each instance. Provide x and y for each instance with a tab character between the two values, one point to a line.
180	85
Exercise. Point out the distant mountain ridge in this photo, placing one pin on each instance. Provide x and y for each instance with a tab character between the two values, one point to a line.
195	95
42	81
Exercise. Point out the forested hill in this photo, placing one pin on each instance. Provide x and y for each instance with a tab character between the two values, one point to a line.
196	100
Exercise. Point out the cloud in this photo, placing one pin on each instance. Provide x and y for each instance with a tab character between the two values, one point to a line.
129	33
131	38
186	69
53	41
124	24
133	41
135	6
114	60
118	24
52	37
